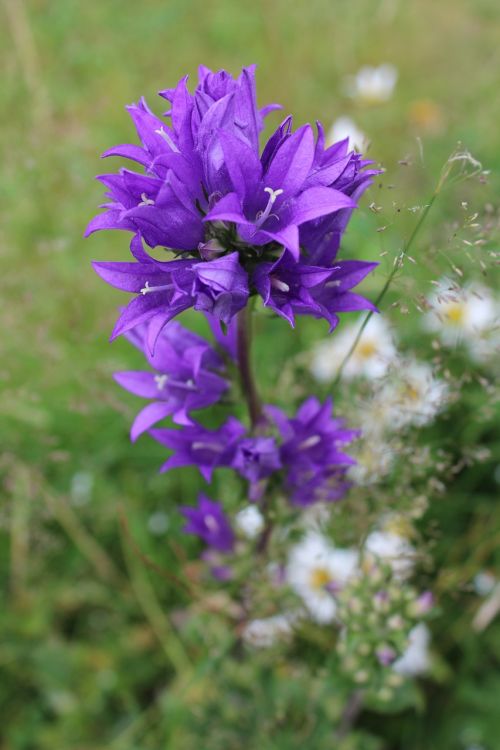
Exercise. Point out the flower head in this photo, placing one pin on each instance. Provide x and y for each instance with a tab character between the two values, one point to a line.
415	659
311	452
209	522
256	458
373	85
317	570
182	379
288	287
267	631
209	197
249	521
466	315
371	358
198	446
411	395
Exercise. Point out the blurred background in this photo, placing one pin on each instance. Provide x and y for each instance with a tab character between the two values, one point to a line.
86	626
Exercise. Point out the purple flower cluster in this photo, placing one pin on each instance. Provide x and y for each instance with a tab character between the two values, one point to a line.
233	222
305	455
236	222
307	458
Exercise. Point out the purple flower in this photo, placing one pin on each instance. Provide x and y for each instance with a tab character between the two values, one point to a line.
268	199
346	171
181	381
220	287
208	195
209	522
289	287
386	655
198	446
165	289
311	452
184	169
424	603
257	458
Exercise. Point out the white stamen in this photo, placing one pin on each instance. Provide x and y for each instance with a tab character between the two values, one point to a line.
310	442
146	288
168	139
211	522
146	201
197	446
262	216
273	193
282	286
160	381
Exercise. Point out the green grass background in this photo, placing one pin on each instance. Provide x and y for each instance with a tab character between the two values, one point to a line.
87	650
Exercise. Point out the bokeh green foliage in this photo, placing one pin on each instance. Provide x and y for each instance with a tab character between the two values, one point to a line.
90	655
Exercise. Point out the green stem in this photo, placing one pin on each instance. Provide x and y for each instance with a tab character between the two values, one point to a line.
248	385
397	266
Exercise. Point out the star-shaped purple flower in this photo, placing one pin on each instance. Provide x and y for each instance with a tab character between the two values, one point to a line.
311	452
165	289
182	379
198	446
209	522
289	287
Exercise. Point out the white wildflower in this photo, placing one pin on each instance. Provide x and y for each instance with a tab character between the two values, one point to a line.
390	543
412	395
343	128
265	632
249	521
415	660
375	459
373	85
371	358
316	570
468	315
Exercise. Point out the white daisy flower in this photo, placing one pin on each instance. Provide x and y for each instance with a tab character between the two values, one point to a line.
411	396
316	570
249	521
373	354
468	315
390	543
344	127
265	632
415	659
375	459
373	85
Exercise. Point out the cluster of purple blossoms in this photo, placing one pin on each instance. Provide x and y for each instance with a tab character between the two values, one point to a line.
233	222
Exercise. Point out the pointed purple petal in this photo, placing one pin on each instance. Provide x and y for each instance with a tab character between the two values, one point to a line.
292	162
147	417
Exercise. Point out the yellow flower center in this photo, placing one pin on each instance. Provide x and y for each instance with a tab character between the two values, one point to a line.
398	525
454	313
319	578
366	349
411	393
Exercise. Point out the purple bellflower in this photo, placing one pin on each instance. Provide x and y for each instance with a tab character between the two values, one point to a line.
209	522
238	223
166	288
315	465
288	287
255	459
182	381
196	445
